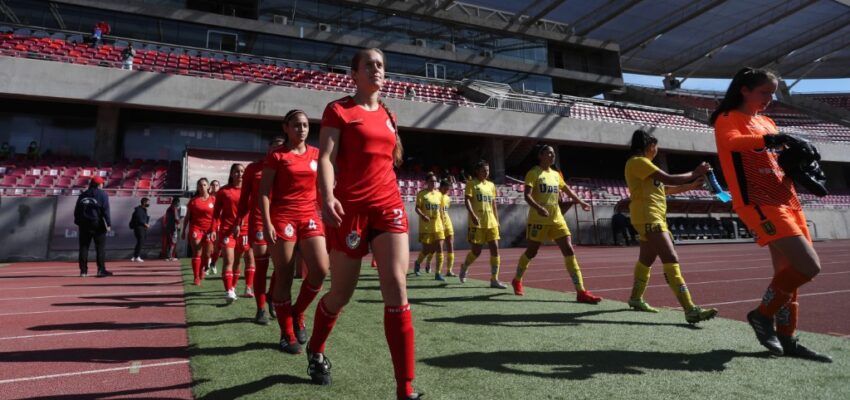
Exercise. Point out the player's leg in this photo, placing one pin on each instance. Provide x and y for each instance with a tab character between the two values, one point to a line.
571	263
315	254
663	242
282	254
522	265
642	271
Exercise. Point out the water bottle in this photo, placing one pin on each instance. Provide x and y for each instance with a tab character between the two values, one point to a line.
713	186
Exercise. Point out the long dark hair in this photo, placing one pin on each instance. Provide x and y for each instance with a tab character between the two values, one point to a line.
641	139
398	150
288	117
233	167
746	77
198	184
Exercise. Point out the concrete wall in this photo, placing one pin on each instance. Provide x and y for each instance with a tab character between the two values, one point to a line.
828	224
69	82
25	225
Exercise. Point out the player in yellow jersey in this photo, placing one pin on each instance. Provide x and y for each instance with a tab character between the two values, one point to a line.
429	207
480	198
543	187
648	207
448	228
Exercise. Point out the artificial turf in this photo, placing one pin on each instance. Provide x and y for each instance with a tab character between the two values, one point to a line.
474	342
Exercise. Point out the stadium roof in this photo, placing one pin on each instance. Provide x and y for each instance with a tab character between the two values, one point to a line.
705	38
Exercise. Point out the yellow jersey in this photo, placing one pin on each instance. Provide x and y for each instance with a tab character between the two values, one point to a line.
481	196
648	199
430	202
545	190
447	220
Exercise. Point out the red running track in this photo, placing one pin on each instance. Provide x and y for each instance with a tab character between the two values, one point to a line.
70	337
730	277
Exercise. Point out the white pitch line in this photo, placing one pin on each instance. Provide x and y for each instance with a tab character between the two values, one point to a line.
759	299
30	287
64	311
92	295
57	286
52	334
94	371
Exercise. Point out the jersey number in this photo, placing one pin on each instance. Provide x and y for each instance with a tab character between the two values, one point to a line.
398	214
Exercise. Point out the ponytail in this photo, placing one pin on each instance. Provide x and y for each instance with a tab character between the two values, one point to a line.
398	150
746	77
641	139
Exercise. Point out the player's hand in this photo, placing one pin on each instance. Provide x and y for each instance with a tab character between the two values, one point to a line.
426	218
543	212
332	212
213	236
271	234
585	206
702	169
475	220
777	140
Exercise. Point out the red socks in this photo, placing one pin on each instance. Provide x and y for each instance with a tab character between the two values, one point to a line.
786	317
284	319
306	296
398	328
235	279
227	279
260	281
323	324
784	283
249	276
196	269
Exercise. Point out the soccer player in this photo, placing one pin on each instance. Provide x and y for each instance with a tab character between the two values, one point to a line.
199	219
249	207
210	267
448	228
648	208
429	207
480	197
233	235
290	210
543	187
765	200
360	146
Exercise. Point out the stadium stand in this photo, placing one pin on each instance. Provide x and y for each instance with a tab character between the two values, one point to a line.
842	101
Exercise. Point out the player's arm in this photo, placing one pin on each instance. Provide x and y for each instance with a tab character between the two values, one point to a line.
187	218
495	210
533	204
328	140
245	197
680	179
418	209
265	202
572	194
472	215
729	137
671	190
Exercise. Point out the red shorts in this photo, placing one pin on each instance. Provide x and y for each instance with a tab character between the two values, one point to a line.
240	243
196	233
256	235
769	223
294	229
361	224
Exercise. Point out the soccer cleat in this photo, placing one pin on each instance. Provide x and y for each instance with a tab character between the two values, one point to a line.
319	368
197	281
765	332
133	259
517	284
262	317
214	271
792	348
299	328
438	277
230	296
462	276
272	312
497	285
587	298
428	269
374	264
413	396
698	314
640	305
416	268
84	274
249	292
207	270
139	259
103	273
451	274
289	346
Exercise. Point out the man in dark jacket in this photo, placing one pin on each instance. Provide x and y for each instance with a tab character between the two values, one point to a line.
139	223
91	215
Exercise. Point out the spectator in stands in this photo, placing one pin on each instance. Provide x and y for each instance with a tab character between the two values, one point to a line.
766	201
171	229
33	151
620	227
91	215
127	56
101	28
409	93
139	223
5	151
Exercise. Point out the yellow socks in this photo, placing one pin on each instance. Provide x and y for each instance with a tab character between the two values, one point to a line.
439	263
494	268
470	258
450	262
677	283
641	280
575	272
522	266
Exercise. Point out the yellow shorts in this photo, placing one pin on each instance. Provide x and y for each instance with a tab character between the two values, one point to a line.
450	230
482	235
643	229
428	238
544	232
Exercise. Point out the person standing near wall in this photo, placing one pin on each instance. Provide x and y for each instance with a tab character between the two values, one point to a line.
91	215
170	228
127	56
139	223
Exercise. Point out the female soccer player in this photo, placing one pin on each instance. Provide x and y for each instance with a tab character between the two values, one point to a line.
249	207
291	216
429	205
480	200
233	235
199	219
765	200
359	147
448	228
210	267
543	187
648	208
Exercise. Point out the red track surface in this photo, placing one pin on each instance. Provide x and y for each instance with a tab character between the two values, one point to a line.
78	338
730	277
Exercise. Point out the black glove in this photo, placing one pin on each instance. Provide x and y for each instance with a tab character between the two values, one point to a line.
777	140
800	163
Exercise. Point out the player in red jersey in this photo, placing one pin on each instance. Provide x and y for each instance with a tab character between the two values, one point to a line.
362	207
199	220
210	266
233	234
291	217
249	207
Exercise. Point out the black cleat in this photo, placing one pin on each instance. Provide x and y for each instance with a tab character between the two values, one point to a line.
319	368
103	273
299	328
272	312
765	332
262	318
292	347
792	347
413	396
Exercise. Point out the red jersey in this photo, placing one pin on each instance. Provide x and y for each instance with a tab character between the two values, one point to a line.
293	193
364	160
226	205
249	199
201	213
751	170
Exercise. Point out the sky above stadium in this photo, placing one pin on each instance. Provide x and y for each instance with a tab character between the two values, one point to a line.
805	86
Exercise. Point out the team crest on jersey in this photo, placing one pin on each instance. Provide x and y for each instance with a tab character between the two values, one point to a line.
353	240
289	230
768	227
314	165
211	205
390	125
226	239
194	235
259	235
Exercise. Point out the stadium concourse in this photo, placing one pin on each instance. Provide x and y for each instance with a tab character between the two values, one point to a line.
207	85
